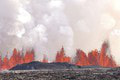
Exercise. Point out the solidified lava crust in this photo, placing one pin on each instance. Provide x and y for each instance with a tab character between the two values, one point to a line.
65	74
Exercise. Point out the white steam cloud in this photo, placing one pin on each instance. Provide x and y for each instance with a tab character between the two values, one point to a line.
47	25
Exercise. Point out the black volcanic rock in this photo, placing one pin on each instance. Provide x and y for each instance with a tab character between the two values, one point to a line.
35	65
92	66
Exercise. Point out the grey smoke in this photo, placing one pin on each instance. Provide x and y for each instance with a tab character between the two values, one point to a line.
47	25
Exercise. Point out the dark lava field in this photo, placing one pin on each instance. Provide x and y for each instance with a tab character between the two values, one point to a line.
63	74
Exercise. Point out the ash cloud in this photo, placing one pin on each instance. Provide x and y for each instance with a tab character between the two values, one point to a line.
47	25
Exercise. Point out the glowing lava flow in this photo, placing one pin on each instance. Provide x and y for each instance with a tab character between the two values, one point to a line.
95	58
45	60
61	57
81	58
16	58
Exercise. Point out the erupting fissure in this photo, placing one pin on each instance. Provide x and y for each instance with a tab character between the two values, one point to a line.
95	58
61	57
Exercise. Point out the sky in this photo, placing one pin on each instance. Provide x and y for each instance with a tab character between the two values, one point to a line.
47	25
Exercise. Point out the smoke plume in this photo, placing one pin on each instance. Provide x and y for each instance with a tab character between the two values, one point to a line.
47	25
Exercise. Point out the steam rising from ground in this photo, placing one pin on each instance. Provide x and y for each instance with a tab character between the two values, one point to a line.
46	25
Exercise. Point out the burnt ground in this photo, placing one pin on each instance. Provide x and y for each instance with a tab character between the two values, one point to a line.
63	74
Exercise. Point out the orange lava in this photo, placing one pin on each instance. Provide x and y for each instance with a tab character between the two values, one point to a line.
95	58
61	57
45	60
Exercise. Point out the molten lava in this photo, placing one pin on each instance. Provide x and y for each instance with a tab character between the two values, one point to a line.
61	57
105	59
15	58
95	57
81	59
0	63
29	56
45	60
5	64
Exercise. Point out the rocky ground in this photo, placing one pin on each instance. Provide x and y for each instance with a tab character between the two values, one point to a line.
65	74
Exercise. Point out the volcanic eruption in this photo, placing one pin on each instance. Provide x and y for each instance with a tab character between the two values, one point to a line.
101	58
94	58
61	57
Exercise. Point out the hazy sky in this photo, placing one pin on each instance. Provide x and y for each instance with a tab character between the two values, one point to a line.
46	25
